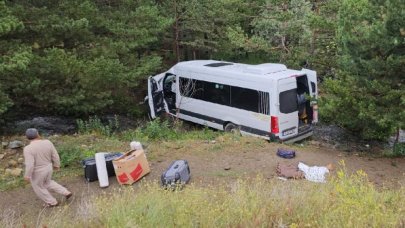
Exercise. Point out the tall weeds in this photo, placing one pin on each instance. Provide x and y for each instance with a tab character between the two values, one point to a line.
345	201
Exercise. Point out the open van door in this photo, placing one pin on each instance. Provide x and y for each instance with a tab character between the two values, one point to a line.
313	91
155	98
288	108
311	75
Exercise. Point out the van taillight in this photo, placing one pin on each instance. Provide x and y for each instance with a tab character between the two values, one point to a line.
274	125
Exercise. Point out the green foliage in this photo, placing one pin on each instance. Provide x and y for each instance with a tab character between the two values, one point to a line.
368	95
76	57
94	126
399	149
13	57
70	156
281	32
199	26
161	130
10	182
157	129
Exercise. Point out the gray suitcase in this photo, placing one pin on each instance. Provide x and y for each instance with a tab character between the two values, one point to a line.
178	173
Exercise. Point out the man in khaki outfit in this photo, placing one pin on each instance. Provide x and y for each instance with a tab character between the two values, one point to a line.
41	158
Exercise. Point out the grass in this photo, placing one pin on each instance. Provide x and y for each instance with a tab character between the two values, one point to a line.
94	136
226	173
163	130
345	201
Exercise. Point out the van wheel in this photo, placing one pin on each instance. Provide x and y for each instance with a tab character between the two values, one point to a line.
232	128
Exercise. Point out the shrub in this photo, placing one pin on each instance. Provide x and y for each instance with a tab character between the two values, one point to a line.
95	126
164	130
399	149
70	155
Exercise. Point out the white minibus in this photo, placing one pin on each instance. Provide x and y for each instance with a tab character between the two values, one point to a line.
266	100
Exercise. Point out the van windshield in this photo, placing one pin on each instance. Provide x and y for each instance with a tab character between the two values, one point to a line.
288	101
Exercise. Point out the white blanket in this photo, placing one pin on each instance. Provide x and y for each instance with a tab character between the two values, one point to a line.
314	173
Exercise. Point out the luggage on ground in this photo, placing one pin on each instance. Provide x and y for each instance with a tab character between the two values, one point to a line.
177	173
131	167
90	169
284	153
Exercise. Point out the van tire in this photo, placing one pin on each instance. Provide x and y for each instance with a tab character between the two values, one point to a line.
232	128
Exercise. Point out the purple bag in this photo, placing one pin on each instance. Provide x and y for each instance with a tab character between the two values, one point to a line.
284	153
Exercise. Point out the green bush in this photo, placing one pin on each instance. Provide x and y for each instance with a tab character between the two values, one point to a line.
70	155
164	130
399	149
94	126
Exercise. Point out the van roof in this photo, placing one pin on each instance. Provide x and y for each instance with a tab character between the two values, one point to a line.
266	70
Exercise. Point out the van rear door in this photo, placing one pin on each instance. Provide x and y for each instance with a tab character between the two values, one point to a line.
312	82
288	108
313	92
155	98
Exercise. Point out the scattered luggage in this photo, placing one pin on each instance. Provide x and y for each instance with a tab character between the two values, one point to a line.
90	169
285	153
131	167
177	174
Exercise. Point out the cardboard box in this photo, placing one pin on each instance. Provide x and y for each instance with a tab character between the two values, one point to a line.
131	167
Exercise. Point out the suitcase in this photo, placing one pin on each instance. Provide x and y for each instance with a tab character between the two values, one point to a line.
90	168
178	173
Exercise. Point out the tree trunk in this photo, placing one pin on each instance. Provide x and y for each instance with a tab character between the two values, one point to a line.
176	30
397	135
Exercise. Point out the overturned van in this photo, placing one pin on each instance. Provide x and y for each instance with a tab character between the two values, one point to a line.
266	100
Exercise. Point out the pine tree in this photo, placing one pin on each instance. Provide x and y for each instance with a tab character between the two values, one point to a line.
87	56
199	26
368	96
281	32
14	55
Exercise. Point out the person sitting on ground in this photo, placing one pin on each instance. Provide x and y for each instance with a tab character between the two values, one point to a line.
41	158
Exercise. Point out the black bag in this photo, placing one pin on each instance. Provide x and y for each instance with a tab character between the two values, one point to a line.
90	169
178	173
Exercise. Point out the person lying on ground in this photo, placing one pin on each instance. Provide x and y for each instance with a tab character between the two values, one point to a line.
41	158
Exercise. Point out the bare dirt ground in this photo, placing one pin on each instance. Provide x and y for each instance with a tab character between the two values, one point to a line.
223	160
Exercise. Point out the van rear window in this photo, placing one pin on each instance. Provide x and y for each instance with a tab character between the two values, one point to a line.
288	101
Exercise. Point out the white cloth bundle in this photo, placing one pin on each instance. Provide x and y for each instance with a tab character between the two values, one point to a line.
314	173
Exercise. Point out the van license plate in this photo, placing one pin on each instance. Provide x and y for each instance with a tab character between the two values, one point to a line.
288	132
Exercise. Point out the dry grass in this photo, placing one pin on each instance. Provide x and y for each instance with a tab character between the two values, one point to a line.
346	201
9	219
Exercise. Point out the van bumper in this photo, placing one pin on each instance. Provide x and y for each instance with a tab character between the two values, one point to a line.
300	136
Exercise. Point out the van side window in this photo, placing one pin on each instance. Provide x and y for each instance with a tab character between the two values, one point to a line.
246	99
217	93
191	88
288	101
264	103
233	96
